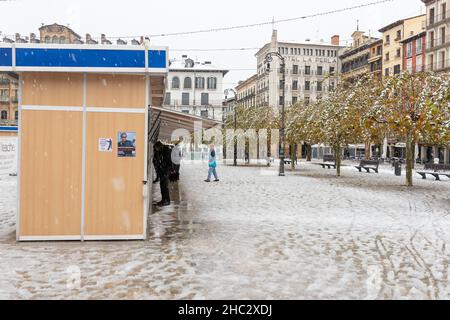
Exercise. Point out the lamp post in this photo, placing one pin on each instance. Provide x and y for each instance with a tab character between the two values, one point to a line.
267	61
235	124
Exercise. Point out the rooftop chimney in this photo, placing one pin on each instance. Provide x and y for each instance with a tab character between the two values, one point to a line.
335	40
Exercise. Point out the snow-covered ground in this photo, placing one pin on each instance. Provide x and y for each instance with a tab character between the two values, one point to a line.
254	235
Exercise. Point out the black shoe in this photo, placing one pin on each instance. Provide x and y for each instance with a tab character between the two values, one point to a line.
163	203
207	180
217	180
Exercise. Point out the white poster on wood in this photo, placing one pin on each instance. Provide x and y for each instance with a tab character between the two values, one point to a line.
8	155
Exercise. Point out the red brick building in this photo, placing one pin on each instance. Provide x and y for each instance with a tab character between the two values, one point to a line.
414	53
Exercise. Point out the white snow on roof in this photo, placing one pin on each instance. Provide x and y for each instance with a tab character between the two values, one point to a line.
188	64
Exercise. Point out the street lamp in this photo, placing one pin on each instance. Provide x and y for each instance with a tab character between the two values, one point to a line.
235	123
267	61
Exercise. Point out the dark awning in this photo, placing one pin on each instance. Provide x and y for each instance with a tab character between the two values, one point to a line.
166	121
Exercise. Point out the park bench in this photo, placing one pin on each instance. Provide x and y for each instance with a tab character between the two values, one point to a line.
435	170
368	165
329	161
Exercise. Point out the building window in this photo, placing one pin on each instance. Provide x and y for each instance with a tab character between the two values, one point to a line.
281	100
295	85
205	99
47	39
443	36
432	14
332	86
167	99
55	39
307	85
409	65
444	11
399	35
294	100
16	115
187	83
307	70
319	86
4	115
307	100
295	69
419	46
419	64
332	70
62	39
175	83
185	99
199	83
319	71
388	39
442	60
387	57
409	49
399	53
212	83
386	72
397	69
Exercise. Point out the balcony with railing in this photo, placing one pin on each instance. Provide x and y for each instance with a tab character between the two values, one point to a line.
436	43
434	20
438	66
4	99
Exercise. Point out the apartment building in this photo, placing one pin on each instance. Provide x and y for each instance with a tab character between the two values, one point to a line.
376	58
438	35
246	92
393	34
311	70
195	88
414	57
355	59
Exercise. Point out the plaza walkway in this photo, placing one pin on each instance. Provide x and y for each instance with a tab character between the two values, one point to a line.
254	235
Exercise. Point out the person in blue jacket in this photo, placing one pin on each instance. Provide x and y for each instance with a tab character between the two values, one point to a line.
212	163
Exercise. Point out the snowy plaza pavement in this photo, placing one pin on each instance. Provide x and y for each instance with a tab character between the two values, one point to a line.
254	235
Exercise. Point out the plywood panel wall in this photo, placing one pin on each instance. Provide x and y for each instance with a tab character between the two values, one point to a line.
52	89
50	186
115	91
114	201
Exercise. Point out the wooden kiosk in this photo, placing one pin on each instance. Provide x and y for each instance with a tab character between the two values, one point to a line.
83	123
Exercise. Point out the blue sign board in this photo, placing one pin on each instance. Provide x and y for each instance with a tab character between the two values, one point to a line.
39	56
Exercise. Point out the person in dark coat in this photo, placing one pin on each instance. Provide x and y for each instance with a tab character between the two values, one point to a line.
163	168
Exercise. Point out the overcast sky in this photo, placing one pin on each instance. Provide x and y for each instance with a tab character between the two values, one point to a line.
141	17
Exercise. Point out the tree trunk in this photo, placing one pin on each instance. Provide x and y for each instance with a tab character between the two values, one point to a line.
338	154
409	160
367	150
293	156
308	153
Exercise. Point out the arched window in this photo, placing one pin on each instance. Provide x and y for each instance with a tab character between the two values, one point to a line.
4	115
62	39
212	83
47	39
55	39
175	83
187	83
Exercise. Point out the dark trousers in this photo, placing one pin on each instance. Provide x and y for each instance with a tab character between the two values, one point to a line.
164	184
